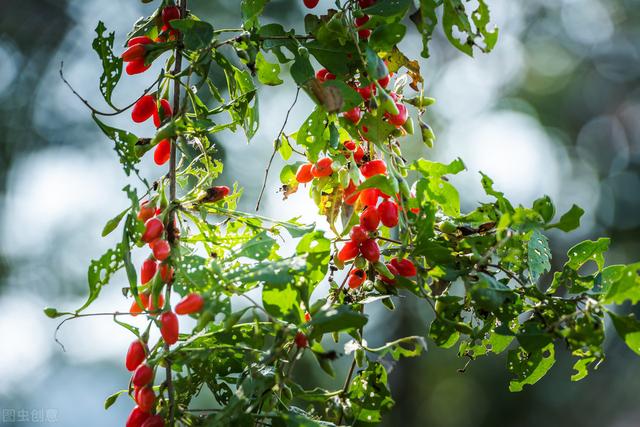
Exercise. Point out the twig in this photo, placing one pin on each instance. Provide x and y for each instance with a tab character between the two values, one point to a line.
275	149
101	113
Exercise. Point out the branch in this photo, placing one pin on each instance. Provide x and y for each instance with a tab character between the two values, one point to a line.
117	110
276	146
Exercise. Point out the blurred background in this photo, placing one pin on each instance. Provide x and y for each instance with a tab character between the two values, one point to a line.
555	109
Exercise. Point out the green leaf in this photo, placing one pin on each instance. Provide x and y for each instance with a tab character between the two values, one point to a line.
570	220
434	169
333	319
588	251
529	368
125	145
385	37
100	272
302	70
621	283
109	401
490	294
282	301
388	8
538	254
382	182
310	134
195	34
251	10
628	327
111	64
112	224
581	367
544	206
369	394
52	313
268	73
404	347
425	20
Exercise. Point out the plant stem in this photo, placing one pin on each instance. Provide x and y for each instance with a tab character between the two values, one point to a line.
182	4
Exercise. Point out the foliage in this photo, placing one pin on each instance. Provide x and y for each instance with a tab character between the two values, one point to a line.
483	272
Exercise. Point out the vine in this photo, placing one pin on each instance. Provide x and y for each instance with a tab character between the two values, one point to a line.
395	225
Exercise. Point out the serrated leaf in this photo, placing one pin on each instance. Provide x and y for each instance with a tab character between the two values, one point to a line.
111	64
125	145
538	254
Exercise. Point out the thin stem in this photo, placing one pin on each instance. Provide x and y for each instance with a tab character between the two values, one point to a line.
116	110
276	146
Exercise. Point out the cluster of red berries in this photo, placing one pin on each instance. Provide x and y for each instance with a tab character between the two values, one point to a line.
143	374
137	47
145	108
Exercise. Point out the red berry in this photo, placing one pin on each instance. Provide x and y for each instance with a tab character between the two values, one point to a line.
143	108
350	194
150	304
350	145
358	154
370	219
139	40
216	193
142	375
162	152
405	267
145	398
307	316
349	251
153	229
311	3
170	328
356	278
370	250
148	270
369	196
321	74
384	82
366	3
303	175
364	34
135	308
358	234
301	340
361	20
367	91
373	167
162	113
170	13
135	355
190	304
136	67
388	212
146	211
136	418
161	249
393	271
154	421
322	167
166	273
400	118
134	53
353	115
